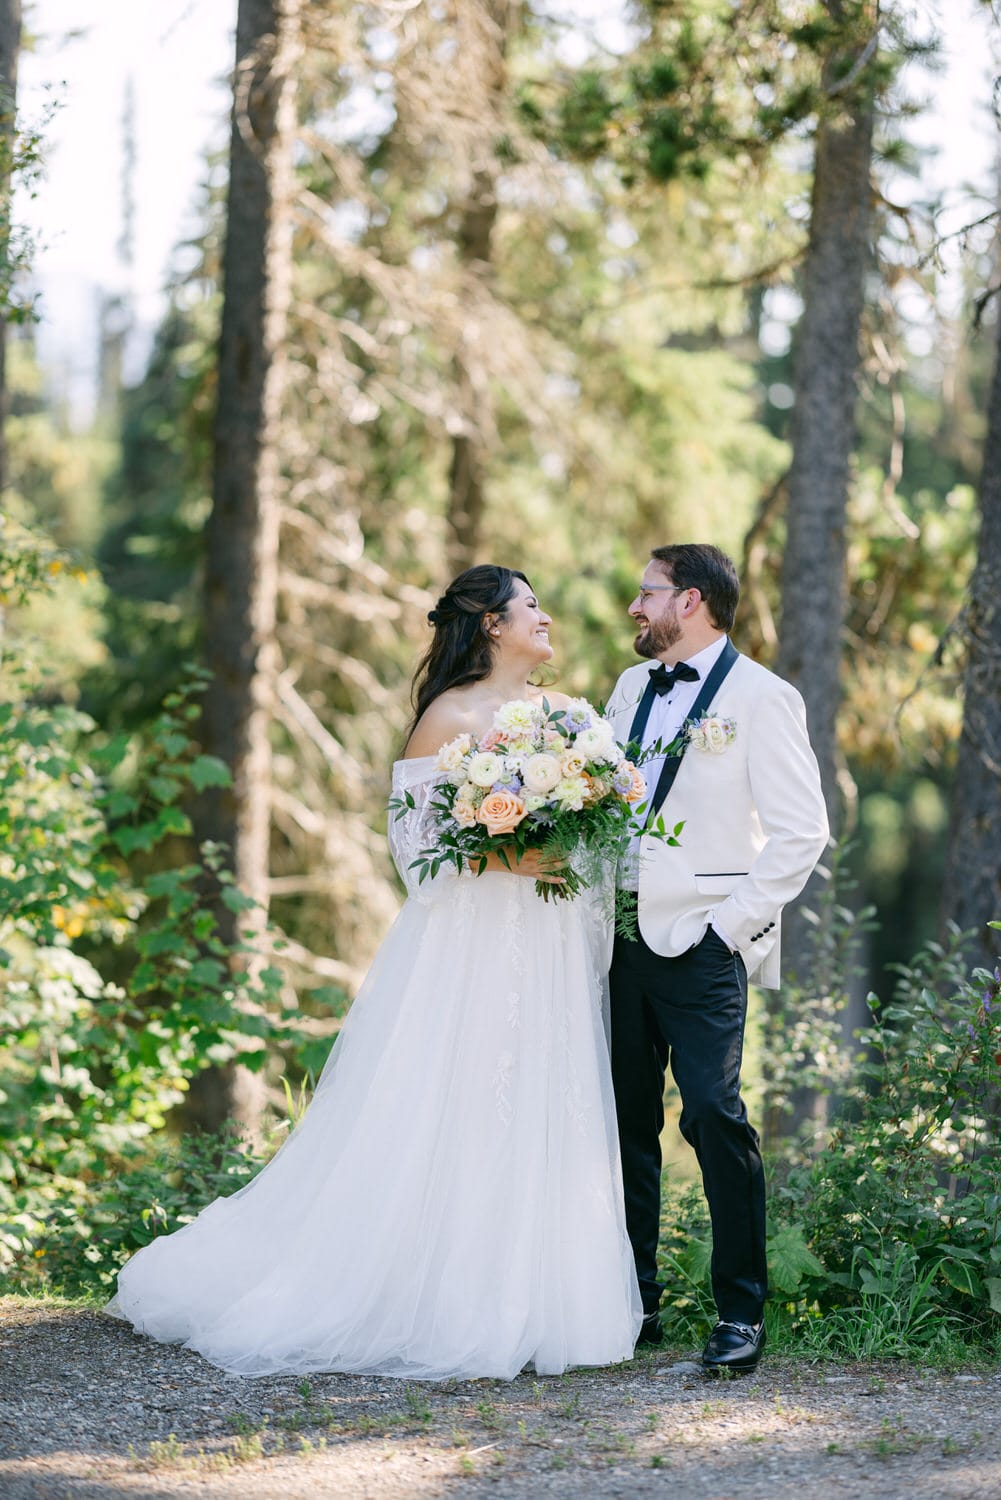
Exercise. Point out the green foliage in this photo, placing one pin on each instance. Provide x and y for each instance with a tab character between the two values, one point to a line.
907	1194
26	564
88	1237
707	84
155	505
802	1029
888	1241
20	167
684	1263
91	886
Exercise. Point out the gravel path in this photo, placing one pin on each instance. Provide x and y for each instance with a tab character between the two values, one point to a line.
90	1410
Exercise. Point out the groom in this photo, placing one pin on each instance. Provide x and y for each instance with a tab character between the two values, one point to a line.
744	781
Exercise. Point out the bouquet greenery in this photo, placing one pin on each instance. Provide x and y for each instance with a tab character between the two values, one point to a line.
545	779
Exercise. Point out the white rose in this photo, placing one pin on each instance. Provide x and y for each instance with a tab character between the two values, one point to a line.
484	768
541	773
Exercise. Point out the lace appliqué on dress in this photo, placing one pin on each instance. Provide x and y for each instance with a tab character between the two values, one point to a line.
415	830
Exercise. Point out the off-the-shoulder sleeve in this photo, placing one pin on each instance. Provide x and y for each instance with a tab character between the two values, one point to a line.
414	831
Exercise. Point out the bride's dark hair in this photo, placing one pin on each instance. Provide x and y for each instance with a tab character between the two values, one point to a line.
460	650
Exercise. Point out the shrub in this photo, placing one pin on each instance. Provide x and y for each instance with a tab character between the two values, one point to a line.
888	1241
906	1196
115	989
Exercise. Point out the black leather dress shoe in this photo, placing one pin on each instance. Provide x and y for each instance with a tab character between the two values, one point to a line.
651	1331
733	1346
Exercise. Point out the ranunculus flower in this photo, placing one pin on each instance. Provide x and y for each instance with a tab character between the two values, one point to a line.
713	733
598	743
572	762
450	755
716	736
501	812
541	773
464	812
484	768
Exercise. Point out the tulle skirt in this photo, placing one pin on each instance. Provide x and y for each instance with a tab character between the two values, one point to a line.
450	1205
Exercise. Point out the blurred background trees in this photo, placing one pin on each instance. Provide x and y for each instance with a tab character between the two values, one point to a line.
460	292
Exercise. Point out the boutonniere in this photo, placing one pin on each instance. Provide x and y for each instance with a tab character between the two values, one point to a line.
712	733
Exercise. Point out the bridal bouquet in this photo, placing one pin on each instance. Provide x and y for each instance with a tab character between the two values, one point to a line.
552	780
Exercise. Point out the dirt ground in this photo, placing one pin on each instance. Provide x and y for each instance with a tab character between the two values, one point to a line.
90	1410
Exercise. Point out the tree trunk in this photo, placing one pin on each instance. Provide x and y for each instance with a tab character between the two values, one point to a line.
10	46
972	887
242	535
826	367
466	481
823	422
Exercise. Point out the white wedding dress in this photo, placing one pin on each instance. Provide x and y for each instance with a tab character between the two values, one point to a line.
451	1203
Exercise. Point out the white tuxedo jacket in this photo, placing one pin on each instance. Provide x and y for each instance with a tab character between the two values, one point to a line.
754	816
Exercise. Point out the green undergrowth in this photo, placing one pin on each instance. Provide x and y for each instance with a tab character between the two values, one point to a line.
886	1241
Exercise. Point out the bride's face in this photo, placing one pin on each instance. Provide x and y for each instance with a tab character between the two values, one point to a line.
524	627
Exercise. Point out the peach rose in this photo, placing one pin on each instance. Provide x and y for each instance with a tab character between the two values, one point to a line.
501	812
492	740
637	791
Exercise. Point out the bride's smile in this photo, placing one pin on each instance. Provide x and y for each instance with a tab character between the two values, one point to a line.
524	627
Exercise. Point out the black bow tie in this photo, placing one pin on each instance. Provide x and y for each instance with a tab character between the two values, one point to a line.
662	679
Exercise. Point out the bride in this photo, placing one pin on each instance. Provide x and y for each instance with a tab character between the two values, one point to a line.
450	1204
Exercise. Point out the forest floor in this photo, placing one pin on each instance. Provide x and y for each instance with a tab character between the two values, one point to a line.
89	1410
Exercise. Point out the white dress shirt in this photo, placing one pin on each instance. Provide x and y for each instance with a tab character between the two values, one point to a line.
667	714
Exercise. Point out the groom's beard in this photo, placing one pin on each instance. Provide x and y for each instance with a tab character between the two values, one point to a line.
657	636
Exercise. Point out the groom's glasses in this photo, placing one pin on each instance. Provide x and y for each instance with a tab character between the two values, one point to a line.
647	589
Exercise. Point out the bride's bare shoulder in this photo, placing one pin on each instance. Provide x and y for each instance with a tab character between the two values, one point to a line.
451	714
554	699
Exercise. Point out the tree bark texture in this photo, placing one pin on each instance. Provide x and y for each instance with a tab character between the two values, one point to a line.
10	46
826	366
466	480
823	422
241	580
972	887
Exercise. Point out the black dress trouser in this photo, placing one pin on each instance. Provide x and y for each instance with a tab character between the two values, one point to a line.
689	1011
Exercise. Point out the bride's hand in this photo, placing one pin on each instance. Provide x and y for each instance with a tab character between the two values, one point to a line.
532	864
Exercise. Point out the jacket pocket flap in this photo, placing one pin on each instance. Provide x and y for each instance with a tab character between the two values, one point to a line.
719	885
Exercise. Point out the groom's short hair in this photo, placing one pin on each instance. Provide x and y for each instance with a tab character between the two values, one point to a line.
697	565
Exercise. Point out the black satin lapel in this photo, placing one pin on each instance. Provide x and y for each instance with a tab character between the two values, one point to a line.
710	688
641	715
